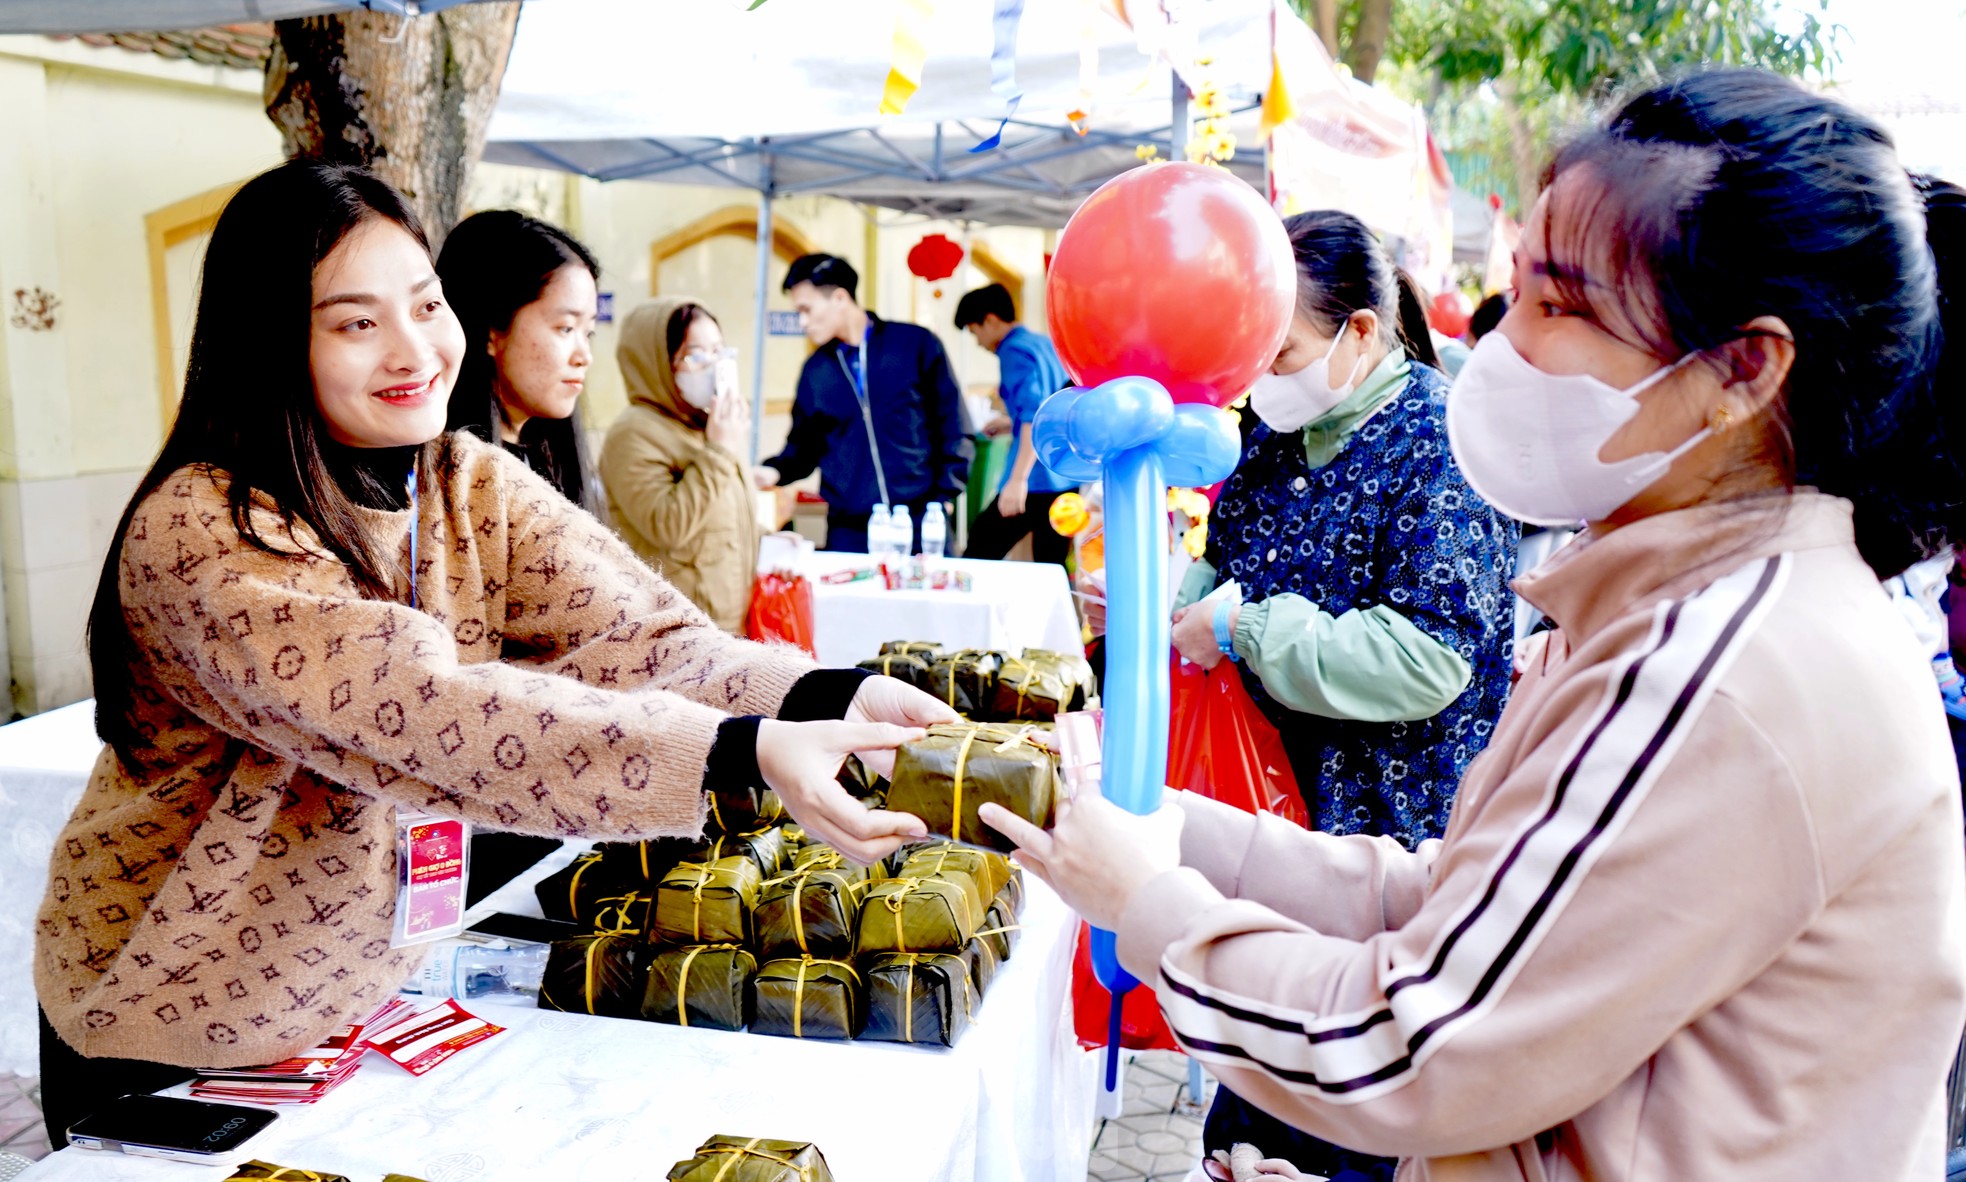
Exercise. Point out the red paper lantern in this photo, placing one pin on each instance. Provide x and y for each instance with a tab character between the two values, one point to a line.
935	257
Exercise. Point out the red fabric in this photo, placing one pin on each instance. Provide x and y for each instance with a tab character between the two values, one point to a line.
781	609
1220	746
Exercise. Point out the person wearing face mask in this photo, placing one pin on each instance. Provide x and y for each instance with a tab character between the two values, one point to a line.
673	462
1700	910
527	296
321	608
1372	617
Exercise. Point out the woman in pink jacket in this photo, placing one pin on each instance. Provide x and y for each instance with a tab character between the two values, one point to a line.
1697	913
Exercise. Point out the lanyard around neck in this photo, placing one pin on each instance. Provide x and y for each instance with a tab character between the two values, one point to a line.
415	525
860	394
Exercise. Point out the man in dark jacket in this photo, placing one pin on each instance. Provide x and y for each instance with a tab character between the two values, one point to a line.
877	411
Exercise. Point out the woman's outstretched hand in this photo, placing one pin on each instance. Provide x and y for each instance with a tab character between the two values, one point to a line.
1098	854
891	700
801	762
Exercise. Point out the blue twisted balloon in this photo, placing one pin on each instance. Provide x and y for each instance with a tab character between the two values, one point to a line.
1128	434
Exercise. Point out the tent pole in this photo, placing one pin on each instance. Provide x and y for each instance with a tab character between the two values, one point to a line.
758	337
1181	130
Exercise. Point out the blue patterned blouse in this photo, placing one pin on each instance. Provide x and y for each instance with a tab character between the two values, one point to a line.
1390	521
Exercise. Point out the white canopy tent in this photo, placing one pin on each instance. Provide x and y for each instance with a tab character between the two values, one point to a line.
784	99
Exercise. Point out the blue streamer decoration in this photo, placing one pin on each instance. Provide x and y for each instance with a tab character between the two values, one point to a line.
1003	66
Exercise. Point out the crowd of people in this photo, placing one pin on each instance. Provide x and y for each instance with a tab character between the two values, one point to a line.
1671	889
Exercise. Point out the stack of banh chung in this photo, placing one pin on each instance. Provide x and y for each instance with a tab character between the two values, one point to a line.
755	928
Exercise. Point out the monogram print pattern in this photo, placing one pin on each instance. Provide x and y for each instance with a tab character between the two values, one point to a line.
1389	521
229	899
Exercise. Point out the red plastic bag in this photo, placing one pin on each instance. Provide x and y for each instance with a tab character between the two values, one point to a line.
1220	745
781	609
1141	1026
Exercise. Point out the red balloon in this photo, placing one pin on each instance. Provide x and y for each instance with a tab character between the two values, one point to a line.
1451	312
1177	272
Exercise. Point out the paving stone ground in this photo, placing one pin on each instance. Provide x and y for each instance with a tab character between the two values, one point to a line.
1157	1136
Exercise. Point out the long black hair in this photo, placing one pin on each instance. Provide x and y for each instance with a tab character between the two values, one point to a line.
248	408
493	264
1342	269
1735	194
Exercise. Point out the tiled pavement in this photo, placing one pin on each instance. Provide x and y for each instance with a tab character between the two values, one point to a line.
21	1130
1157	1137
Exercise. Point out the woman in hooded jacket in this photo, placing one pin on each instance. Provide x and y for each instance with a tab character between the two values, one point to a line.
673	463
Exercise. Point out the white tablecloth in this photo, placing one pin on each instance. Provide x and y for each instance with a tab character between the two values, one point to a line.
569	1096
1011	606
44	764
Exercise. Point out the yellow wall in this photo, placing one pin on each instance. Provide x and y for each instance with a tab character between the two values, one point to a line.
121	148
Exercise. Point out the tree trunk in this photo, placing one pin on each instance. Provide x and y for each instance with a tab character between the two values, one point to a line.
1327	26
408	98
1375	25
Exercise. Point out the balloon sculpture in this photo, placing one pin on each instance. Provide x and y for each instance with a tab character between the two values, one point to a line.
1170	291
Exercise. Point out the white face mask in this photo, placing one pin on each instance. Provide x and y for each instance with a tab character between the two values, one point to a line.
1287	402
1528	441
700	387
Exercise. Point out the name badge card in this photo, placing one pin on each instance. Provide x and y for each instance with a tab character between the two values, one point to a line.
432	868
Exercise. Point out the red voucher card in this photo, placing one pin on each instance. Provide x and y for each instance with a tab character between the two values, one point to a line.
428	1037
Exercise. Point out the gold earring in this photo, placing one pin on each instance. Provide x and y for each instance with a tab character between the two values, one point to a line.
1721	419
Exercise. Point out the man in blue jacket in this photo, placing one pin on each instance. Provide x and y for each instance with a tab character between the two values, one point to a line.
1028	373
877	411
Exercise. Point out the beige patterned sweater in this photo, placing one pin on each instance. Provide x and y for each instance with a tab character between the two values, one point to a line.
233	903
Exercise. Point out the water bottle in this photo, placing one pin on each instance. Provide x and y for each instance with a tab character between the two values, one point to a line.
935	531
493	971
878	536
904	531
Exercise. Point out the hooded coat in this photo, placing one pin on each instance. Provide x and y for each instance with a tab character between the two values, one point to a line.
682	503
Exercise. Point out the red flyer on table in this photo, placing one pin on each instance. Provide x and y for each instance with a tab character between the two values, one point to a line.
428	1037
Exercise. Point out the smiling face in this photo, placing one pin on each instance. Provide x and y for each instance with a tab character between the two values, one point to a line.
542	358
384	347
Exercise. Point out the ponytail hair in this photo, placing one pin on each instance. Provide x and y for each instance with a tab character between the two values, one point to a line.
1342	269
1735	194
1414	331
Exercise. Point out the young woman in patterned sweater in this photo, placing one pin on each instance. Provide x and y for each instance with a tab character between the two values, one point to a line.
1375	615
321	608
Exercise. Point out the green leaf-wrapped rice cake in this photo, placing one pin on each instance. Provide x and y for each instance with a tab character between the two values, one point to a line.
753	1159
810	912
807	997
707	985
945	778
603	973
707	904
918	997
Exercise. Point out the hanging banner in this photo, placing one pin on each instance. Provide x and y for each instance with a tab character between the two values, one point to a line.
1336	143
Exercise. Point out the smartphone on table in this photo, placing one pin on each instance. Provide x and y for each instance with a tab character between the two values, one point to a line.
195	1131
